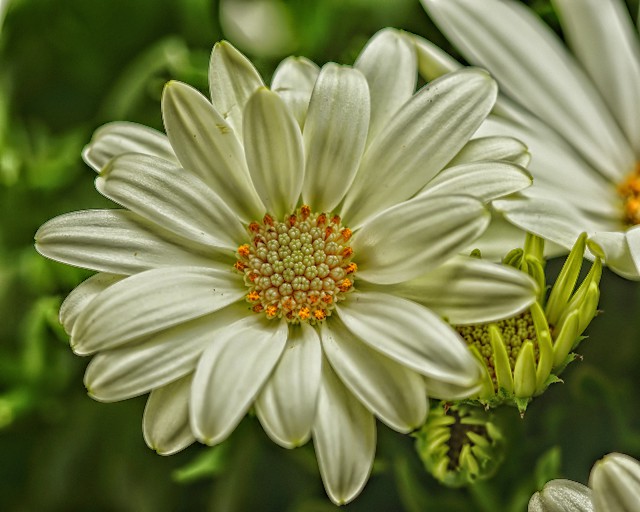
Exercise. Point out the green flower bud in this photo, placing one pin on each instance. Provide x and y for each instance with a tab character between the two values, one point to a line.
523	354
459	444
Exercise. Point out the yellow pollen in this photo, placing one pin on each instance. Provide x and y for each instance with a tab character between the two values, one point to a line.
272	311
253	296
345	285
304	313
320	314
347	252
243	250
238	265
327	299
346	233
629	191
351	268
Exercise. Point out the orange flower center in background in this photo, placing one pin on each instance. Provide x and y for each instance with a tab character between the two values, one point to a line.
629	190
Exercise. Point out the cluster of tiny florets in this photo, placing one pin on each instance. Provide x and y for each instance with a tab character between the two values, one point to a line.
515	332
297	268
629	190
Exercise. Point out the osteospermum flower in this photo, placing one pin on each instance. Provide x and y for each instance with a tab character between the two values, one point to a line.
266	248
578	114
614	486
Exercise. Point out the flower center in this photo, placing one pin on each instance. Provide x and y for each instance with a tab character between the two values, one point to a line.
629	190
515	331
299	268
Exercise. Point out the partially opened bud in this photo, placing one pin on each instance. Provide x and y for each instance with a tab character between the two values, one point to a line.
459	444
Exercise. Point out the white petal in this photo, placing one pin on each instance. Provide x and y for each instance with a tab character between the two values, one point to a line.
117	138
334	135
449	391
471	291
168	196
390	390
617	252
81	295
273	147
231	373
493	148
139	367
605	41
293	80
549	218
485	181
424	135
207	146
286	406
615	481
150	302
556	166
432	61
391	84
533	67
117	241
416	236
165	423
500	238
411	335
562	496
344	437
232	80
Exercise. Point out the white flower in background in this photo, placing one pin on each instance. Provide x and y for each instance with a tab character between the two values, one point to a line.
578	114
277	249
614	486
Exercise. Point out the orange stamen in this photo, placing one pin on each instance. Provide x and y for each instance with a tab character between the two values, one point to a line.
347	252
345	285
320	314
244	250
304	313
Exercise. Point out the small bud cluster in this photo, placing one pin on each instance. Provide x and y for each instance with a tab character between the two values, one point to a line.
299	268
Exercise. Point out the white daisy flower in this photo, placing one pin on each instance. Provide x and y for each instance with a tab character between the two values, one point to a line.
614	486
275	251
578	114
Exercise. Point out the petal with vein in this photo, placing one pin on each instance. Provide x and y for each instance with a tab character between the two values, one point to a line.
207	146
166	195
273	147
231	373
138	367
468	290
409	334
232	80
423	136
485	181
562	496
344	437
391	85
441	390
493	148
286	406
293	80
150	302
118	242
335	132
117	138
533	67
82	295
390	390
416	236
602	36
165	423
615	480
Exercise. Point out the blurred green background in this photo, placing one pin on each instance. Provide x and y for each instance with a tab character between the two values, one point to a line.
66	67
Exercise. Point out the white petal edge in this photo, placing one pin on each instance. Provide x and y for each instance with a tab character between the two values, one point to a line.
423	136
468	290
391	391
165	422
232	80
207	145
117	138
334	135
507	149
150	302
293	80
274	152
416	236
391	85
286	406
410	334
618	255
168	196
231	373
344	437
